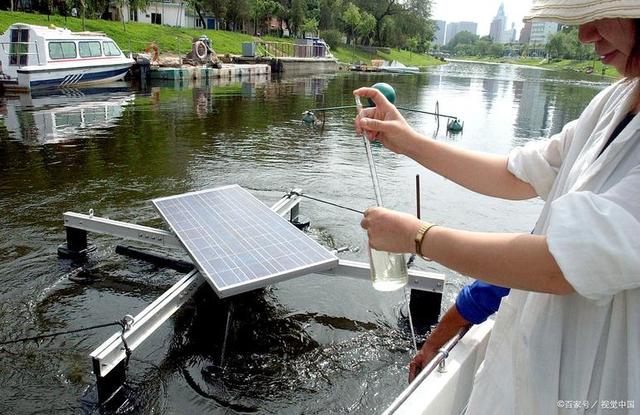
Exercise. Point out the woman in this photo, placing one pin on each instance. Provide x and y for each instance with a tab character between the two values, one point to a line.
568	330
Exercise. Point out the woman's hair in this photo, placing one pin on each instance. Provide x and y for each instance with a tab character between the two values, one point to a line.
633	64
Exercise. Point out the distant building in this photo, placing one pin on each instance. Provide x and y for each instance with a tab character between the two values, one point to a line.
542	31
454	28
168	12
440	26
498	25
509	36
525	33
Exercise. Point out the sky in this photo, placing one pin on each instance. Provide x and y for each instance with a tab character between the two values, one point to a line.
480	11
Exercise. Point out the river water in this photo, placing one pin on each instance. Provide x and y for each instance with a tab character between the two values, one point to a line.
315	344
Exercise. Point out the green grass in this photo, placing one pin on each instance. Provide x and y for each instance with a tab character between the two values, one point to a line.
350	54
561	64
410	58
138	35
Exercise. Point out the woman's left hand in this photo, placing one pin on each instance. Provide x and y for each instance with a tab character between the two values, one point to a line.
389	230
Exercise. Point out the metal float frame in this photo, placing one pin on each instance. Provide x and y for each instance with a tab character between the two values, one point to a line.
111	354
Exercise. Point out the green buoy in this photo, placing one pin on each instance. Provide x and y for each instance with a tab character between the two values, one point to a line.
455	126
387	90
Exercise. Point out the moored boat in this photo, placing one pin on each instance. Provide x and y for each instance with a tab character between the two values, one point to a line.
398	67
36	57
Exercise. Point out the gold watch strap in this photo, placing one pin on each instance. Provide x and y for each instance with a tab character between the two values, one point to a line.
420	235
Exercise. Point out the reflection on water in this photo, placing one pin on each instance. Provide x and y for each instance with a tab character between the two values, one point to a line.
46	119
314	344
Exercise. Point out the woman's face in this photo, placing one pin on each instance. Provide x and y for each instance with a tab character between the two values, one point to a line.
613	39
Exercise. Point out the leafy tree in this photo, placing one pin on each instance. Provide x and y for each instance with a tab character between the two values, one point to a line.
309	26
366	28
238	12
297	15
264	10
351	17
464	37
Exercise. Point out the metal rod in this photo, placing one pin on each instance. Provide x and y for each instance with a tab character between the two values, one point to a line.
418	196
427	112
226	334
442	354
372	166
344	107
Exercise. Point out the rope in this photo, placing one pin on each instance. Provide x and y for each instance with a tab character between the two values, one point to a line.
122	323
292	192
407	300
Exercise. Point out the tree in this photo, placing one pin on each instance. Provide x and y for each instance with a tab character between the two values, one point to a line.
464	37
238	12
132	5
556	45
366	28
264	10
351	17
297	14
309	26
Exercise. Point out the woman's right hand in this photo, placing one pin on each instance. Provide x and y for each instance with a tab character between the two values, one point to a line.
383	122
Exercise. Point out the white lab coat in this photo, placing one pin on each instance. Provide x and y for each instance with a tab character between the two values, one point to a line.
548	351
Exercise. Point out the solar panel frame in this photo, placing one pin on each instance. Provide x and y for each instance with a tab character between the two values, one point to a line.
237	242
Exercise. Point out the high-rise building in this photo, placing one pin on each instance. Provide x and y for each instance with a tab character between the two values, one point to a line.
542	31
498	25
454	28
440	26
509	36
525	33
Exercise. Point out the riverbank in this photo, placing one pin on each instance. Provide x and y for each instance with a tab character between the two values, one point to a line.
350	54
136	37
590	66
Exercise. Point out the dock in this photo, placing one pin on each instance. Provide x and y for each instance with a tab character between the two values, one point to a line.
227	71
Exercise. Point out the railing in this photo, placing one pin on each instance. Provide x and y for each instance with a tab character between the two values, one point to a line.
291	50
438	361
19	53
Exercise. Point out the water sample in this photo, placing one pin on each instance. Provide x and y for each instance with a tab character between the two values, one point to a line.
388	270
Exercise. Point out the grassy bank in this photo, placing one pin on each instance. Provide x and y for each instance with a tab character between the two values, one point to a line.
561	64
350	54
137	36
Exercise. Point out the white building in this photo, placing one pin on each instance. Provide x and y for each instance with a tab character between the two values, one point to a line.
440	26
169	12
542	31
454	28
498	25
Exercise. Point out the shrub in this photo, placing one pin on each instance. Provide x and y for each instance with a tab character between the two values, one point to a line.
332	37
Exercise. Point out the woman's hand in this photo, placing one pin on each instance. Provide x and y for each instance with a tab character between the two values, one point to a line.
389	230
384	122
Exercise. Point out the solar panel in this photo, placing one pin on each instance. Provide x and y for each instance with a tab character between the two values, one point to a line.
237	243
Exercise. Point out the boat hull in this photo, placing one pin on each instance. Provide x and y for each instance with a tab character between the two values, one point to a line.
70	77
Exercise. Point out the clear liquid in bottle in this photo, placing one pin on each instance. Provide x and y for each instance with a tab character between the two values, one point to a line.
388	270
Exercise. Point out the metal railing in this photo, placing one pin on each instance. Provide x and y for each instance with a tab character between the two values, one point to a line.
291	50
19	53
438	361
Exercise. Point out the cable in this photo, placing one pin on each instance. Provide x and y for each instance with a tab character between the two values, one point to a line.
121	323
407	299
292	192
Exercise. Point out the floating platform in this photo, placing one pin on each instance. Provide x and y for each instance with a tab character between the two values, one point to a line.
196	73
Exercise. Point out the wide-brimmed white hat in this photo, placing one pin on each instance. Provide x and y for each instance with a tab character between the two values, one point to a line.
576	12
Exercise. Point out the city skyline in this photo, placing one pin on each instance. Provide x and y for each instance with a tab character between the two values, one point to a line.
481	13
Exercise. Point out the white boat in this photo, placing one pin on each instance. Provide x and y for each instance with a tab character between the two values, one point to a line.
397	67
444	385
40	57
